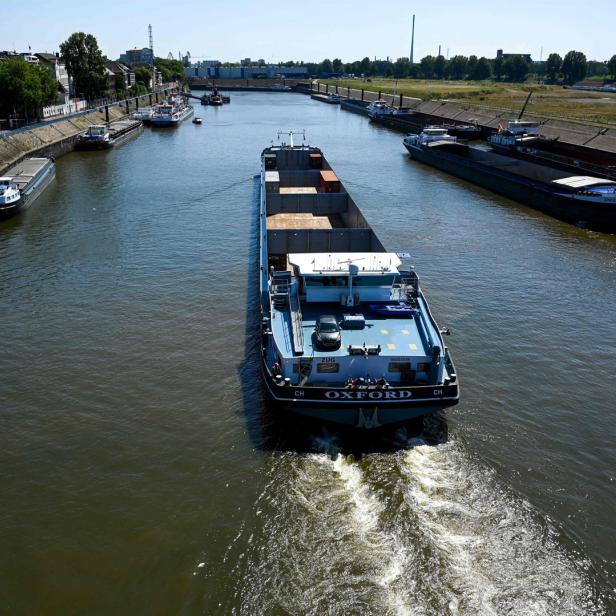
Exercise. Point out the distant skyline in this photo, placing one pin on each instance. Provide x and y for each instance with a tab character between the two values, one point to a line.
346	29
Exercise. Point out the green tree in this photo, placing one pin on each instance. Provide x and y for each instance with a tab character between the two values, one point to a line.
365	66
401	67
482	69
326	67
337	65
574	66
457	67
516	68
427	67
553	65
120	83
611	65
498	65
25	88
138	89
439	67
143	75
171	70
85	64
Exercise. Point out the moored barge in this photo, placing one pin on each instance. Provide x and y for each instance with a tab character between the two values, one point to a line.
583	200
106	136
347	334
23	183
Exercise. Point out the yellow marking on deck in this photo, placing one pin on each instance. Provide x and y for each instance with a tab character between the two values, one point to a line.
384	332
391	346
413	346
405	332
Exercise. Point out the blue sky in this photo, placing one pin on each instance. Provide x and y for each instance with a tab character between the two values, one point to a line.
289	30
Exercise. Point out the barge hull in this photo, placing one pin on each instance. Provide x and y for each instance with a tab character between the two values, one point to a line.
599	217
32	176
366	411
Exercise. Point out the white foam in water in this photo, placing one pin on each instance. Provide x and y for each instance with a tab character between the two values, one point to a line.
424	531
385	549
497	558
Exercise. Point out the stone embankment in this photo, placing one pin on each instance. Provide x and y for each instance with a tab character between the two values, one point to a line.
55	138
50	140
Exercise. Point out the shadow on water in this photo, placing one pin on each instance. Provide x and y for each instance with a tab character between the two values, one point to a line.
271	429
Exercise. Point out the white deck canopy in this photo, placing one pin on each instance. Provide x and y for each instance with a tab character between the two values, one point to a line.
328	264
583	181
347	277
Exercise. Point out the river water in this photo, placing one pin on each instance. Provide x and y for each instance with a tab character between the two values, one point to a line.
142	473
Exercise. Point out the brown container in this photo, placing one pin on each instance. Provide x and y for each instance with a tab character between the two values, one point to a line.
329	182
316	161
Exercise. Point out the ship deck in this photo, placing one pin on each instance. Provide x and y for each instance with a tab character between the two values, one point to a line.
397	336
23	173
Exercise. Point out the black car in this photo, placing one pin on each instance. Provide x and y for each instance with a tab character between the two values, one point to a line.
328	332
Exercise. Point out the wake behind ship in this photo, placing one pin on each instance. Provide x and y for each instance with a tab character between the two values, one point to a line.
347	334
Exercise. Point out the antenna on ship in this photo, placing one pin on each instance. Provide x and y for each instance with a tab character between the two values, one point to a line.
291	133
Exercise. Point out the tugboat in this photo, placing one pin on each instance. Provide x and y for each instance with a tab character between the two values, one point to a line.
346	333
215	98
23	183
585	201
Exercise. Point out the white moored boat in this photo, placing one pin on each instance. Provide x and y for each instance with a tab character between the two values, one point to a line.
171	114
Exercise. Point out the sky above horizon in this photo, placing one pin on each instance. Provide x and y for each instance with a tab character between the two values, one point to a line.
312	31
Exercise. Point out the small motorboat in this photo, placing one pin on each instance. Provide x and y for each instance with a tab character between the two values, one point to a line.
197	121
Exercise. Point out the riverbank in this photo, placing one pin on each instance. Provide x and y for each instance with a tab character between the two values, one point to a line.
51	140
549	101
578	135
58	137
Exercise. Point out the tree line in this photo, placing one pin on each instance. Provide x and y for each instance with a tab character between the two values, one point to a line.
573	67
26	88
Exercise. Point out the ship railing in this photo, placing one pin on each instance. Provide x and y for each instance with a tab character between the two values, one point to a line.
406	287
284	293
296	320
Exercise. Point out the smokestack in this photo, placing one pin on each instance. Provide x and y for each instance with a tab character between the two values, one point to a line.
412	39
439	50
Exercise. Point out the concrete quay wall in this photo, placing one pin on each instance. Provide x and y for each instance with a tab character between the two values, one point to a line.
50	140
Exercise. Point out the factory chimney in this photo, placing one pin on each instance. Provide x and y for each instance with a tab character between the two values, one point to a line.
412	39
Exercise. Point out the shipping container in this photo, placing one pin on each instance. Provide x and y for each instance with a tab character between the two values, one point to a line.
272	181
316	161
329	182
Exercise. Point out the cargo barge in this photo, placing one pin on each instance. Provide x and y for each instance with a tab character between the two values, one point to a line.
106	136
405	120
346	332
355	106
585	201
521	139
331	99
23	183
